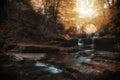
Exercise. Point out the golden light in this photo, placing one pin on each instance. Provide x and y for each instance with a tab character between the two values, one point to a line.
37	5
77	13
88	11
89	28
86	8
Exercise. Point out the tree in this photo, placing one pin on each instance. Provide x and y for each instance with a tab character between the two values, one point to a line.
49	9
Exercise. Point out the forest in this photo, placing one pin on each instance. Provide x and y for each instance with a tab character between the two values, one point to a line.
59	39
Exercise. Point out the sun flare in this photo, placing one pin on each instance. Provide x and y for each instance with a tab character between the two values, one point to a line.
88	11
86	8
74	14
90	28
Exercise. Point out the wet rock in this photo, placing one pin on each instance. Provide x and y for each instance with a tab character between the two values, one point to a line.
32	49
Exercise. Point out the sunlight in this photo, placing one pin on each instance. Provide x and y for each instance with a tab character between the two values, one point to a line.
86	8
75	13
37	5
90	28
87	11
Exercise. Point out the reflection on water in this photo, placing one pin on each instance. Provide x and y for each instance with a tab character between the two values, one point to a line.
48	67
29	56
40	64
54	70
83	59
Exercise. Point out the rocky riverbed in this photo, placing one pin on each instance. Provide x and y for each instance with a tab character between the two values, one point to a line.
43	61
